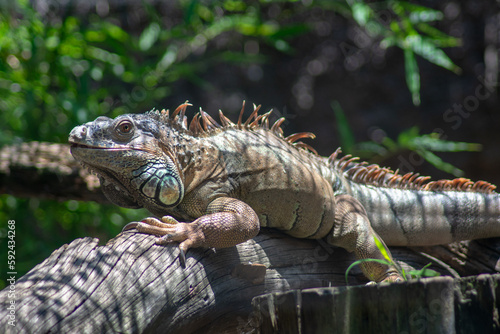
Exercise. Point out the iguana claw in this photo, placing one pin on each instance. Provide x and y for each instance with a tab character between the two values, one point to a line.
160	227
130	226
182	257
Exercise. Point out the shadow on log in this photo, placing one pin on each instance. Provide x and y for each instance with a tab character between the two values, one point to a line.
131	285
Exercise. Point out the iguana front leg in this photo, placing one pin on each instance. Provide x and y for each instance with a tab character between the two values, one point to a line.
352	230
226	223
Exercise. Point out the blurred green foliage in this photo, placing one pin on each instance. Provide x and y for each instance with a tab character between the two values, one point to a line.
70	71
57	74
60	72
406	25
408	140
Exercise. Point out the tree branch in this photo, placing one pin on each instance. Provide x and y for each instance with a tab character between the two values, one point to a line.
46	170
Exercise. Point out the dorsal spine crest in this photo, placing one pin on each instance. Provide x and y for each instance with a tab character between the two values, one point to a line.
203	125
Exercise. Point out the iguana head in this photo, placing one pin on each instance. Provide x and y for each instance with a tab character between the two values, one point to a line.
135	167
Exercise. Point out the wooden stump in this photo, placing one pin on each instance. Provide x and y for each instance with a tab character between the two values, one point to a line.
432	305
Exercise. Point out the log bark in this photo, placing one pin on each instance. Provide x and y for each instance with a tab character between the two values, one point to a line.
131	285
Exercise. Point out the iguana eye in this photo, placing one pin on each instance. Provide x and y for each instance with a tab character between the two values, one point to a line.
124	129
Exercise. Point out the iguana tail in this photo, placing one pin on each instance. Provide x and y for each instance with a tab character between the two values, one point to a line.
412	210
430	217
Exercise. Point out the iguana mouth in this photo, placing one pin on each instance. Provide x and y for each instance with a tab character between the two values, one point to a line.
102	172
76	145
89	147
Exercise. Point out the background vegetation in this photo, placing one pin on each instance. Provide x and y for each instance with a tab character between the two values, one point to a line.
356	73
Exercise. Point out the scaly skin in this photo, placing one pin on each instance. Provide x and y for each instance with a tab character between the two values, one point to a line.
222	182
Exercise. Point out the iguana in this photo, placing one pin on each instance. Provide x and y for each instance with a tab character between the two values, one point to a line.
222	182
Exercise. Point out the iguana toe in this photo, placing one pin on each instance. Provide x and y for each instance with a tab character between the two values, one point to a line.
393	278
188	234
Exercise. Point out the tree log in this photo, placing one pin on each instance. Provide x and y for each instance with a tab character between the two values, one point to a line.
46	170
131	285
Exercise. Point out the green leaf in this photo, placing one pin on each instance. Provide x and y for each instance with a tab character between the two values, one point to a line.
439	163
388	42
434	143
390	144
282	46
115	32
370	148
426	49
361	13
234	6
190	11
290	31
426	16
355	263
383	249
169	57
424	272
345	132
406	138
439	38
149	36
418	13
412	76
